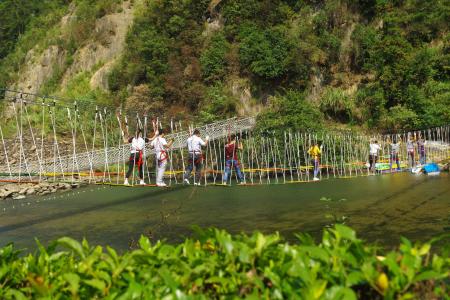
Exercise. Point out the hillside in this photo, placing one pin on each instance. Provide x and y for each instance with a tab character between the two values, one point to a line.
299	64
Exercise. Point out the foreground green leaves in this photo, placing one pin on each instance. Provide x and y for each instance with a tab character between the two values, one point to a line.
219	265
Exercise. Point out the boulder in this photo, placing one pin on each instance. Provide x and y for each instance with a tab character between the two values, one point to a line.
6	193
446	167
15	188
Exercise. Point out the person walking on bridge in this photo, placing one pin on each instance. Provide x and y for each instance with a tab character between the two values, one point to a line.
160	145
231	159
374	148
395	150
410	150
315	151
421	149
195	157
137	145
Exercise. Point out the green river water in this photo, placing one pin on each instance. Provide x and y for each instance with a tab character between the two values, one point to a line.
380	208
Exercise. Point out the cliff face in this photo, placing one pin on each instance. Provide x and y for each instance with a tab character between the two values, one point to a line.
95	55
100	53
39	68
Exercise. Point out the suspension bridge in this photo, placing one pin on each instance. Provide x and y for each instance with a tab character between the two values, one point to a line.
49	139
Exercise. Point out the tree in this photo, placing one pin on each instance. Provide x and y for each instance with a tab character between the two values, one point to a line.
264	52
212	59
290	111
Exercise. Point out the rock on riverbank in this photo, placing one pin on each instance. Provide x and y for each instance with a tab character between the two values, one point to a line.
446	167
21	190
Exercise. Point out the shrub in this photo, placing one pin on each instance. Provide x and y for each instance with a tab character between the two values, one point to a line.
364	39
141	100
290	111
400	117
336	104
436	111
264	52
218	104
216	265
25	25
373	101
213	58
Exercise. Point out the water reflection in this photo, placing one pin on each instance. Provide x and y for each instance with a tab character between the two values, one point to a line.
381	208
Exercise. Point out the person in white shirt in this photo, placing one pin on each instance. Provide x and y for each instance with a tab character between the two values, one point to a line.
161	145
137	145
421	143
195	156
410	150
373	154
395	150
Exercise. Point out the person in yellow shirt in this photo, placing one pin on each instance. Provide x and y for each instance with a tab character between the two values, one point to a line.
315	151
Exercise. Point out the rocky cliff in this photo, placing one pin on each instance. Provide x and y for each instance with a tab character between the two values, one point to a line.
96	54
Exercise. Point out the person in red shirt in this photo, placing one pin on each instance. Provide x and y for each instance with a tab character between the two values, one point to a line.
231	159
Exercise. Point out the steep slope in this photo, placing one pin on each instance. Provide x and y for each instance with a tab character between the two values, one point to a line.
82	43
375	64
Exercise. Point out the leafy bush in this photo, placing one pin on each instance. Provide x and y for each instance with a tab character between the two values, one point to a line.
400	117
213	58
335	103
25	25
19	15
371	99
264	52
219	104
436	110
364	39
290	111
218	265
145	61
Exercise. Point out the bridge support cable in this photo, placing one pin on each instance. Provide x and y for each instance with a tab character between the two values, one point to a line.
33	139
94	151
6	153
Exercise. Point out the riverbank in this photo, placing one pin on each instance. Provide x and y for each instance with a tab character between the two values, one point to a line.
22	190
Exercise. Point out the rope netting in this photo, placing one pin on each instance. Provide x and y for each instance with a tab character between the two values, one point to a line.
53	141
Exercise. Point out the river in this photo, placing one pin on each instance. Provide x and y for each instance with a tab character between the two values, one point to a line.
380	208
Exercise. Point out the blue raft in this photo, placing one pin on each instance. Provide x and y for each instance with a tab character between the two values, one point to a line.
431	169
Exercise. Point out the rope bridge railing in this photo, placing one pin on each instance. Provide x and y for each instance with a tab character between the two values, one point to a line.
56	142
100	158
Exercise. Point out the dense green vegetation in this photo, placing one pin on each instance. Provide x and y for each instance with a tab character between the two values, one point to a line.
397	56
374	63
216	265
25	24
